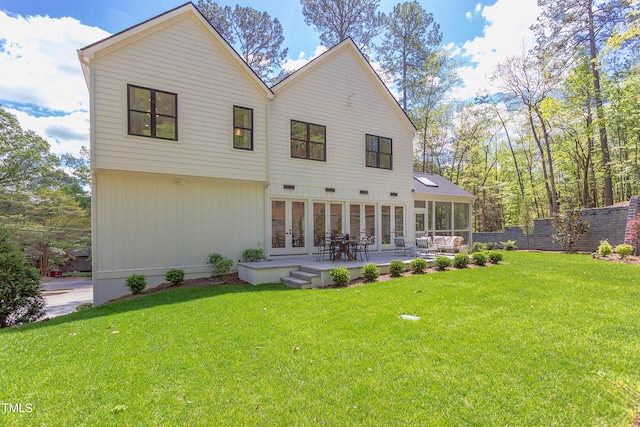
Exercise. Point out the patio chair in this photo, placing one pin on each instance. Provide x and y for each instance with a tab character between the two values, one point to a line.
401	245
326	248
425	246
363	247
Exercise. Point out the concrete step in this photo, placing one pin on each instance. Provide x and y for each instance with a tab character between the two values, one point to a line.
292	282
304	275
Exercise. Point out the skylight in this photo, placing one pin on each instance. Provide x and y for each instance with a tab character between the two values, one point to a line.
426	181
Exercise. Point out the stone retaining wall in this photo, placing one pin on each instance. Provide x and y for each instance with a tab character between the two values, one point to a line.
604	223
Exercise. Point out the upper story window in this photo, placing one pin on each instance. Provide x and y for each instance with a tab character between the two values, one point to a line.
152	113
308	141
378	152
242	128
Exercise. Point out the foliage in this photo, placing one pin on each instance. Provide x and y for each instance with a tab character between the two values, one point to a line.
83	306
460	260
219	264
490	246
253	255
605	248
21	297
478	247
479	258
175	276
338	19
624	250
494	256
569	228
411	35
509	245
370	272
136	283
396	268
442	262
340	276
256	36
418	265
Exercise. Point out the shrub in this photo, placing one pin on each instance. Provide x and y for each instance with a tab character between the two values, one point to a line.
21	297
396	268
442	262
494	256
478	247
419	265
136	283
460	260
219	264
340	275
175	276
479	258
605	248
491	245
624	250
83	306
509	245
633	234
253	255
370	272
569	228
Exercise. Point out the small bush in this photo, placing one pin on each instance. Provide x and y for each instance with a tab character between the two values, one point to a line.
340	275
509	245
396	268
605	248
175	276
460	260
624	250
253	255
478	247
494	257
491	245
419	265
479	258
442	262
136	283
370	272
219	265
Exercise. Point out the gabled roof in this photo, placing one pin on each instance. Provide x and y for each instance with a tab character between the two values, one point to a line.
115	41
437	186
349	45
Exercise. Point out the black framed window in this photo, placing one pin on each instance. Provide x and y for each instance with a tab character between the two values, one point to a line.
379	152
152	113
308	141
242	128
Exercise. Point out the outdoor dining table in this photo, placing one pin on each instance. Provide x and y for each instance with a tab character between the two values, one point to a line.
344	247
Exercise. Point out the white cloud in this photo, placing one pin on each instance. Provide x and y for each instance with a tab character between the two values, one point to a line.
506	31
468	15
41	72
291	65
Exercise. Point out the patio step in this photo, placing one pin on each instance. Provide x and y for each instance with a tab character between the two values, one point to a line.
300	279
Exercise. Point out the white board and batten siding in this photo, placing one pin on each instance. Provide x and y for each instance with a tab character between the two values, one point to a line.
150	223
182	58
339	94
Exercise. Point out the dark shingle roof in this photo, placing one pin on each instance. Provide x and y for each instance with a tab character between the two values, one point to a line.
443	186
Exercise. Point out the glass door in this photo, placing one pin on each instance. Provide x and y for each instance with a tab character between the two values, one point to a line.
288	230
391	225
362	221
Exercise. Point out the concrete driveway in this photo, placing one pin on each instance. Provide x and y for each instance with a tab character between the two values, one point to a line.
64	294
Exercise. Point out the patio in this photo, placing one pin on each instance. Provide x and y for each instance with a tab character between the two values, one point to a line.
305	271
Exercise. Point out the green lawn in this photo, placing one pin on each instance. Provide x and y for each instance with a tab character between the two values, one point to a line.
547	339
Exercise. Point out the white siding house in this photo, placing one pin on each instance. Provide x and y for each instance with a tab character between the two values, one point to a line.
191	153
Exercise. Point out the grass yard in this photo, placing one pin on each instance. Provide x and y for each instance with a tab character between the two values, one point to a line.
545	340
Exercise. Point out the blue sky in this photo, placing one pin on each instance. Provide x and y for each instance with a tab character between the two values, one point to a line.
42	82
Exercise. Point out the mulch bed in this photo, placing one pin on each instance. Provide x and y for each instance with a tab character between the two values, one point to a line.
617	258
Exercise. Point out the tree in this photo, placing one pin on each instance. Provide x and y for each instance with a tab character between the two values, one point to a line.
338	19
569	228
257	37
21	297
410	38
566	27
25	161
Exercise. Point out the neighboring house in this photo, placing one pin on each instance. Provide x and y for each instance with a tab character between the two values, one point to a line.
192	154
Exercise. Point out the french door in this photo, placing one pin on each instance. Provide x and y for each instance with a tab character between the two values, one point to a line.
362	221
288	229
327	221
392	224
